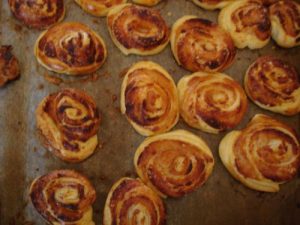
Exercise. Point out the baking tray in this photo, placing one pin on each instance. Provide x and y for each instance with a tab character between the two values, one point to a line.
222	200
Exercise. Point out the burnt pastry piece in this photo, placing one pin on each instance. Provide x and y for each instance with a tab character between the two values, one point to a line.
99	7
149	98
9	65
137	30
248	23
211	102
70	48
175	163
274	85
285	20
131	202
39	14
63	197
212	4
146	2
201	45
69	121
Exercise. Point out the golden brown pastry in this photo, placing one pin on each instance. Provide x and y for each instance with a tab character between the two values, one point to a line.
99	7
201	45
211	102
146	2
285	20
149	98
273	85
212	4
175	163
9	65
263	155
69	121
269	2
131	202
71	48
64	197
39	14
248	23
137	30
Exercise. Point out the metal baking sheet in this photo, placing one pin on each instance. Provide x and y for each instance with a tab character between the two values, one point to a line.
222	200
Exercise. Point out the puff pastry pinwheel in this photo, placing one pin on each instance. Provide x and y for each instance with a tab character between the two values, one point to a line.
263	155
137	30
131	202
211	102
39	14
274	85
212	4
146	2
248	23
9	65
64	197
70	48
285	20
149	98
175	163
99	7
201	45
69	121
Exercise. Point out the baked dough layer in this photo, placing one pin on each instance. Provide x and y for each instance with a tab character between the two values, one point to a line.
147	2
212	4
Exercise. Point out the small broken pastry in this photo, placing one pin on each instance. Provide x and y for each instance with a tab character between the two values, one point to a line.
63	197
174	164
137	30
69	121
131	202
39	14
212	4
9	65
146	2
149	98
263	155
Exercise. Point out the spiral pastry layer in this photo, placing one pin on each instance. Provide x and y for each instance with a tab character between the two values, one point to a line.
175	163
69	121
99	7
200	45
9	65
149	98
137	30
285	20
64	197
146	2
263	155
39	14
248	23
70	48
273	85
212	4
132	202
211	102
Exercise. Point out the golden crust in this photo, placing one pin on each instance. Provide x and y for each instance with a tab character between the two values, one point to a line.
147	2
248	23
274	85
70	48
137	30
200	45
211	102
149	98
174	164
69	122
263	155
63	197
212	4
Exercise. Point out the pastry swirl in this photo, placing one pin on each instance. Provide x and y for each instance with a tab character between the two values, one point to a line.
175	163
211	102
137	30
285	20
248	23
212	4
70	48
131	202
263	155
149	98
39	14
146	2
64	197
98	7
69	121
273	85
200	45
